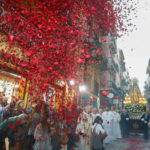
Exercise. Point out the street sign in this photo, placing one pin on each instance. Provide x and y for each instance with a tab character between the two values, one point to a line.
110	95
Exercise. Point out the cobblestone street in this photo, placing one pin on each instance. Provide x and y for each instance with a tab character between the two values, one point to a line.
131	143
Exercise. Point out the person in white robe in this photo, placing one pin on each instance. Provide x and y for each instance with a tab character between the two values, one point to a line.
112	123
80	131
94	114
107	118
83	129
116	125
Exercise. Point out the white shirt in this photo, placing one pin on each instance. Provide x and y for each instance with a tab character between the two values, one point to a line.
106	116
112	115
98	128
80	125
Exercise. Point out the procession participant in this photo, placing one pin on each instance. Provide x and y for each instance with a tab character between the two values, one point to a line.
121	123
145	118
112	123
107	125
83	129
88	125
117	125
90	114
125	124
96	134
94	114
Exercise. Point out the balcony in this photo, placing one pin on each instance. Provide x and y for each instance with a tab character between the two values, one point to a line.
124	82
123	66
112	44
112	64
113	86
109	86
104	65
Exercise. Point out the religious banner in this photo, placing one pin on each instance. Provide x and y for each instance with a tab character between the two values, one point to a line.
26	94
21	90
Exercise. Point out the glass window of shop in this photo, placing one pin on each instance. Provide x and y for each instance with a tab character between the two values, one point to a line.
9	85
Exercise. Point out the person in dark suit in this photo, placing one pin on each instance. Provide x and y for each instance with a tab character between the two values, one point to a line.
125	124
121	123
145	118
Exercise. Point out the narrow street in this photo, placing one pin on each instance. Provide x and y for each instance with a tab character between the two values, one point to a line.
74	73
134	142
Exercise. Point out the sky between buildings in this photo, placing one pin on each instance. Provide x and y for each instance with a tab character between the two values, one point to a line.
136	45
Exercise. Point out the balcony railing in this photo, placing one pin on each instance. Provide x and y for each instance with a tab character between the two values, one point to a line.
112	64
110	85
113	85
124	82
123	66
113	44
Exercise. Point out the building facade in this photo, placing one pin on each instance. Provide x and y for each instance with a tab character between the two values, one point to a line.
147	84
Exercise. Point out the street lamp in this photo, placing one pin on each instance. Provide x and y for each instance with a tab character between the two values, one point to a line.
72	82
82	88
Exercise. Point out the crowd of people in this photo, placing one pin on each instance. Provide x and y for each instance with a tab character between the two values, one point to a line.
107	125
39	128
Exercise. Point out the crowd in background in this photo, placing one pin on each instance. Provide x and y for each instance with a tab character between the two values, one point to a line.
38	127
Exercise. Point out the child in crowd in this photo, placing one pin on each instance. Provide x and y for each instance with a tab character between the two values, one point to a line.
96	134
42	135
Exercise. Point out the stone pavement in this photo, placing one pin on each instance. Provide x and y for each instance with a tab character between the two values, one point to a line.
132	143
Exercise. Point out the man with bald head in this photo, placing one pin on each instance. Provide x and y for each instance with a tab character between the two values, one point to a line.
94	113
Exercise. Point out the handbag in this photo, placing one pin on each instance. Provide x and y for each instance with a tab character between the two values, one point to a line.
104	135
64	139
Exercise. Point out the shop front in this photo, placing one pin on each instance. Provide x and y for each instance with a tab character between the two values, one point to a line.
9	84
60	95
13	86
13	83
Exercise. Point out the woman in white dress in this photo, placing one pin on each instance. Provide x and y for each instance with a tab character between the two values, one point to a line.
42	135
